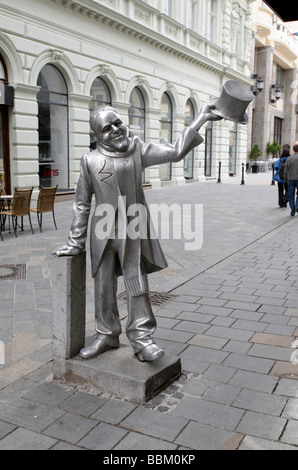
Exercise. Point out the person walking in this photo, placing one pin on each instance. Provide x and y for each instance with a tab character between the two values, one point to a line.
291	178
279	166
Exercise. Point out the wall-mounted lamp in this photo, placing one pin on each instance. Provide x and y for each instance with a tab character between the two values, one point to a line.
275	93
258	85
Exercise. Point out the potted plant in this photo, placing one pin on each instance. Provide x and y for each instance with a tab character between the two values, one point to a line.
274	148
255	153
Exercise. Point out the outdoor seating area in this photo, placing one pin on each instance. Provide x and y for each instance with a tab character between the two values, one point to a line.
14	207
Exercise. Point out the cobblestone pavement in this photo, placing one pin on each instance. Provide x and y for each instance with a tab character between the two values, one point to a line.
229	310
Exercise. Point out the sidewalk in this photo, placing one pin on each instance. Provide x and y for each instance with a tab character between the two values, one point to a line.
229	310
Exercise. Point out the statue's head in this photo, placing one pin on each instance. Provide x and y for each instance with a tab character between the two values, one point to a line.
110	131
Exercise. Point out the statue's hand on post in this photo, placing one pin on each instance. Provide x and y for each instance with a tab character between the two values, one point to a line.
67	250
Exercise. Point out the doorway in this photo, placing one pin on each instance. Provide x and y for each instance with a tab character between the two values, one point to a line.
4	149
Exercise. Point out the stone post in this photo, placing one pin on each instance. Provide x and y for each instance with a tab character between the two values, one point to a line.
69	305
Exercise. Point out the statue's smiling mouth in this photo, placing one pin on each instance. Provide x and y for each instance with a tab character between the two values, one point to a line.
117	137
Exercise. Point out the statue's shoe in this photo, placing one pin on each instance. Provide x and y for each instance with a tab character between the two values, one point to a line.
150	353
95	349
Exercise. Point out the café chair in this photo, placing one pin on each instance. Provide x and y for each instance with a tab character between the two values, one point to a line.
45	203
20	207
3	204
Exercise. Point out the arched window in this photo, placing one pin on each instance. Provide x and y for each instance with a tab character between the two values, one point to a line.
189	114
166	134
136	115
100	96
53	128
3	71
4	133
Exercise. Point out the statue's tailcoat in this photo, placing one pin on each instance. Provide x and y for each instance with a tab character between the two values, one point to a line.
110	175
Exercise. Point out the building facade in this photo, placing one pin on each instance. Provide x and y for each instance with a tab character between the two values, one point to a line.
275	63
156	61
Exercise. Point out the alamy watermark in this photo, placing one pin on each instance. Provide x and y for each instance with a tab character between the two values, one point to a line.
155	221
2	353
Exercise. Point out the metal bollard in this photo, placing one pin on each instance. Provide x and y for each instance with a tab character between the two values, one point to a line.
219	173
242	181
272	182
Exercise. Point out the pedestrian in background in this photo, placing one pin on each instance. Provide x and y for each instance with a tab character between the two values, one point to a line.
291	178
279	177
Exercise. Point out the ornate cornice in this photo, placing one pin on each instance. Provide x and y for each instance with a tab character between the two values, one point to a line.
107	16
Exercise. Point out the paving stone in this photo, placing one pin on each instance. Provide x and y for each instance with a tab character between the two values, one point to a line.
70	428
196	387
203	437
191	326
230	333
246	315
19	369
65	446
49	393
208	341
103	437
261	425
281	329
204	354
291	409
223	321
253	400
254	381
275	319
136	441
113	411
219	373
29	415
292	312
238	347
24	439
220	393
207	412
249	325
290	435
271	352
284	369
239	361
173	335
154	423
195	317
272	340
287	387
256	443
5	428
83	403
212	310
243	305
182	306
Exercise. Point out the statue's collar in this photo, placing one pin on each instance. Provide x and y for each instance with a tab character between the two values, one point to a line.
118	154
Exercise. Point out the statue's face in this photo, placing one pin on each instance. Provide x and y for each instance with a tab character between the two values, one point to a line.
111	133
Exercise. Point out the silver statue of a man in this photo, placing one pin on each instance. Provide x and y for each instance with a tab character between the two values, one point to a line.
114	169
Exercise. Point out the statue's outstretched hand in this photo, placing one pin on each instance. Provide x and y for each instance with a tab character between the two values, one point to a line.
67	250
207	114
208	111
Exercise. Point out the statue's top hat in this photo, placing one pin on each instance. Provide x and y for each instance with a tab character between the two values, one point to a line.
233	101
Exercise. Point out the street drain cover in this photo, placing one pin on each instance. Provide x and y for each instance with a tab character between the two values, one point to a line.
12	271
156	298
